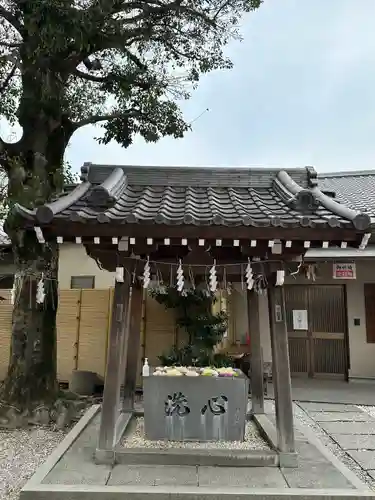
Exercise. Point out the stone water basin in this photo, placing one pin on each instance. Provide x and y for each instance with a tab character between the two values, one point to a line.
195	408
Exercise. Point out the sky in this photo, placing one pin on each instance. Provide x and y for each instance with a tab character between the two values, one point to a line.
302	92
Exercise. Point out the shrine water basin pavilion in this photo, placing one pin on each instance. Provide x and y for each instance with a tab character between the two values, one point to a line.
196	216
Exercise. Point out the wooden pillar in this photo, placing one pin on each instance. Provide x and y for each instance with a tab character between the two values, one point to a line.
112	383
133	348
281	370
257	388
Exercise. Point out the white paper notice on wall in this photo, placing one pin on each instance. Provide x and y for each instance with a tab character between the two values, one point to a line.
344	271
300	321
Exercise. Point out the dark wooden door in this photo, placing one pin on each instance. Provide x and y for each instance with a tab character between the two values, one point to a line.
321	349
369	290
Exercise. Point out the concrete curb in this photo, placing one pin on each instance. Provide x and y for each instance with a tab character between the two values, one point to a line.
350	476
266	429
269	433
206	457
59	451
85	492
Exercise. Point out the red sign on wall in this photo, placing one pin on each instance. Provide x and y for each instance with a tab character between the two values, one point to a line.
345	271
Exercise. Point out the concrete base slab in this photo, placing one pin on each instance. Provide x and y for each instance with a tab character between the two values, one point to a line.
105	457
71	474
245	477
155	475
308	453
289	460
309	475
59	492
86	475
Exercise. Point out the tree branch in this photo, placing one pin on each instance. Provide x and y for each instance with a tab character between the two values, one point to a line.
120	38
112	77
90	78
10	45
91	120
8	16
5	84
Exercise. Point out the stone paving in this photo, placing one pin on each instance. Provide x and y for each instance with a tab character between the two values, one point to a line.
332	391
315	470
352	429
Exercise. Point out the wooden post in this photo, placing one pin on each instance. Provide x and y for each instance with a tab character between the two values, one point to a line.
281	370
111	395
257	388
133	347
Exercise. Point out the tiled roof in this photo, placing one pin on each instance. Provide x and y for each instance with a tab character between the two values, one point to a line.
198	196
353	189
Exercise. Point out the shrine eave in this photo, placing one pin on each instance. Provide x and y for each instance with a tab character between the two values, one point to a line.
129	201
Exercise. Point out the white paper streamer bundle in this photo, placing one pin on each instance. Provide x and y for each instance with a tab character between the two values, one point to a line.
13	293
213	278
146	274
120	274
249	276
180	278
280	277
40	292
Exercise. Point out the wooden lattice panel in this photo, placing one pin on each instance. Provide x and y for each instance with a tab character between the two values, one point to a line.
67	322
5	331
93	330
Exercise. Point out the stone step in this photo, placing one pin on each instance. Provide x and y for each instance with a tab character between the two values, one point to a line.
86	492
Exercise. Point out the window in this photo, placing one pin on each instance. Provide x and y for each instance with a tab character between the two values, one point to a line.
82	282
369	290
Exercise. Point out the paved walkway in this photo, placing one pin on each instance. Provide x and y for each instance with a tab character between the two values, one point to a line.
350	428
332	391
329	405
315	471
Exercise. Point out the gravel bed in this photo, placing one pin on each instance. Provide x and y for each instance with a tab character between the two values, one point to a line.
253	440
21	453
306	420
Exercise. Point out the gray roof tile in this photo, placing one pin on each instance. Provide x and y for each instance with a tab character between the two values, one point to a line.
353	189
197	196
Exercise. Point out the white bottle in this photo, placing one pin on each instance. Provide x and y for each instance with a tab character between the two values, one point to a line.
146	369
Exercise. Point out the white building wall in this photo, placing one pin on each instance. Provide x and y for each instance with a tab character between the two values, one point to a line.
74	261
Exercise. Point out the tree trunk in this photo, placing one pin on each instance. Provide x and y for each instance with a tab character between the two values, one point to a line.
31	378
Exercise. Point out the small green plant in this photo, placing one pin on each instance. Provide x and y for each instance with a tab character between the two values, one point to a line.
204	328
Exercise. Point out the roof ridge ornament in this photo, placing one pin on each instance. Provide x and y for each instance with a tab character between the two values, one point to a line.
109	191
45	213
85	171
312	176
300	199
360	220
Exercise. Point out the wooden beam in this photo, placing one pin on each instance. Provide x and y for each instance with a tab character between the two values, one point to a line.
133	348
257	389
281	370
112	383
91	229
